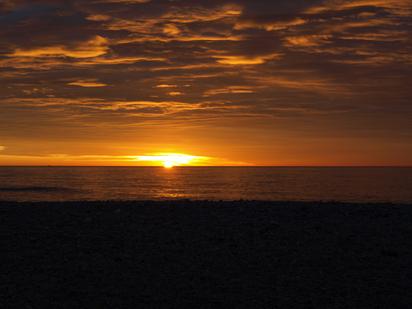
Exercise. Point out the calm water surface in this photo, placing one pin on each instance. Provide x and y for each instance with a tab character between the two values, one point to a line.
226	183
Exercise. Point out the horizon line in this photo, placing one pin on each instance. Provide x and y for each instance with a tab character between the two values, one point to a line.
202	166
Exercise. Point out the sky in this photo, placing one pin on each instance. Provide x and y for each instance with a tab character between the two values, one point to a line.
242	82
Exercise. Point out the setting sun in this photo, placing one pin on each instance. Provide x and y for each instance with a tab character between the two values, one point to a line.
169	160
168	164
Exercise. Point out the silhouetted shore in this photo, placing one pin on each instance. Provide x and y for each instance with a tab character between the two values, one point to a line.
205	254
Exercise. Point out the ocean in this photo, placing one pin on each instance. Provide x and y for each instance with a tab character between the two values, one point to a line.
342	184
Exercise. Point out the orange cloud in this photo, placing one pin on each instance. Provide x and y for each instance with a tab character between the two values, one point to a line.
92	48
171	29
175	93
118	60
158	107
245	60
304	83
181	38
401	7
87	84
48	62
230	89
199	14
307	40
269	26
98	17
145	110
121	160
172	23
166	86
381	36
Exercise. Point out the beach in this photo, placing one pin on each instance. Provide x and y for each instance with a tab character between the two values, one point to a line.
205	254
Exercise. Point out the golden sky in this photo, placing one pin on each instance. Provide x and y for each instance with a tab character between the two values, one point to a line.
242	82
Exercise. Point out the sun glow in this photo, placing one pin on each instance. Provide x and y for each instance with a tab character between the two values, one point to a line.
168	164
170	160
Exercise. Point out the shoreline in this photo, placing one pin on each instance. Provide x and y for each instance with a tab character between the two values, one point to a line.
205	254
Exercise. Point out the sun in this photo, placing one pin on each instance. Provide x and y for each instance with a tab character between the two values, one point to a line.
170	160
168	164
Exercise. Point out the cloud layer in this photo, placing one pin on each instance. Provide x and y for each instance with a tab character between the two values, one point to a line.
336	66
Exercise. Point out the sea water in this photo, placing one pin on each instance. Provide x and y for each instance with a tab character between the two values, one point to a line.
345	184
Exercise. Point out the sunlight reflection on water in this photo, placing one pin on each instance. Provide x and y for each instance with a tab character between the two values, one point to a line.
226	183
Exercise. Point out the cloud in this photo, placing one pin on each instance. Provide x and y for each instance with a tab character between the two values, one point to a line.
396	6
118	60
190	14
2	148
46	63
87	84
94	47
245	60
303	83
93	106
98	17
325	62
230	90
269	25
175	93
127	113
165	86
171	29
131	160
308	40
151	108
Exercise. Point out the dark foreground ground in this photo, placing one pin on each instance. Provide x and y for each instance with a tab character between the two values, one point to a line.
205	255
